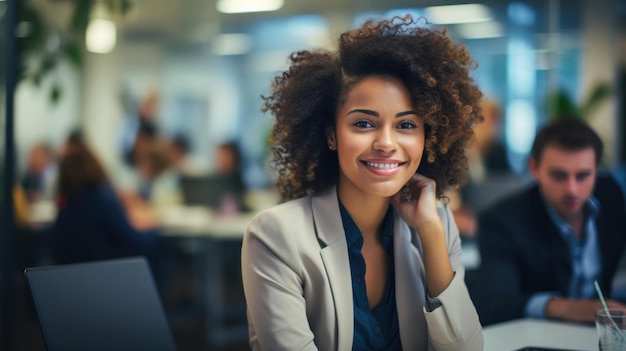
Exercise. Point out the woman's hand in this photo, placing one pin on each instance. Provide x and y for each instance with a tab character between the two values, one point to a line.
417	202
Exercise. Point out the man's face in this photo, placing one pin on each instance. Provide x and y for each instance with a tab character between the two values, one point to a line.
566	178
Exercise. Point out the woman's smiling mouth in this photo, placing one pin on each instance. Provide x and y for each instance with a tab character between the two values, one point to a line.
384	168
382	165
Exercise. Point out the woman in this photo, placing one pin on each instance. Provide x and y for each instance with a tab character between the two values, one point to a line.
91	223
364	255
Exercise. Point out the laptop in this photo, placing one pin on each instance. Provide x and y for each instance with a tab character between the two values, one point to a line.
100	305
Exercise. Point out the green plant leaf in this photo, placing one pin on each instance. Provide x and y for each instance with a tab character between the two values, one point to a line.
55	93
32	46
80	17
560	104
598	94
74	53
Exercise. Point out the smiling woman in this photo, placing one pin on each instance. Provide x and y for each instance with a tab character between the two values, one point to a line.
365	255
381	138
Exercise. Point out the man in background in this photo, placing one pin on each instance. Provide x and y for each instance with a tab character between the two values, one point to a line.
543	248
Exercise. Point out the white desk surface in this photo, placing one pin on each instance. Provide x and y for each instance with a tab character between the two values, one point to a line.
513	335
186	221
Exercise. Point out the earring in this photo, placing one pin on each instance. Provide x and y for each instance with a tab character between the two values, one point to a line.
331	146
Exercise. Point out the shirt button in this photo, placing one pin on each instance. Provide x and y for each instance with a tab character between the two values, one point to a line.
359	280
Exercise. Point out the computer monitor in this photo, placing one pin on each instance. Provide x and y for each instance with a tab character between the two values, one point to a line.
100	305
211	190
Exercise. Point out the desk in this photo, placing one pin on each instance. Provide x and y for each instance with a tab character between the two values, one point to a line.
513	335
41	214
202	234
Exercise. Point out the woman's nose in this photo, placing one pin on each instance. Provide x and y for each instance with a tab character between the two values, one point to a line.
385	141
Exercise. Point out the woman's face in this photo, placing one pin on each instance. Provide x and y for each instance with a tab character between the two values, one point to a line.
378	137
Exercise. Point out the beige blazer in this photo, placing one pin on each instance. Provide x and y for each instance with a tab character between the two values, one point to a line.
298	288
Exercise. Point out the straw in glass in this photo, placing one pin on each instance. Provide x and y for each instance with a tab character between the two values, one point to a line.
606	310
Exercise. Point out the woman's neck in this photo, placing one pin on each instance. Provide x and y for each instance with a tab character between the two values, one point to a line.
367	211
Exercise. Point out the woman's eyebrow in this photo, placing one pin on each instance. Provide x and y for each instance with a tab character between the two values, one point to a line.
367	112
405	113
376	114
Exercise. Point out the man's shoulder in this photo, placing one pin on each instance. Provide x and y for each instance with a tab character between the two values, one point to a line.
609	193
522	200
607	184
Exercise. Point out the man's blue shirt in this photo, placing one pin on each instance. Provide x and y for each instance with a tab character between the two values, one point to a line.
585	257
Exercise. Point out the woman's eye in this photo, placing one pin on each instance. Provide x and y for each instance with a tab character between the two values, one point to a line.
362	124
407	125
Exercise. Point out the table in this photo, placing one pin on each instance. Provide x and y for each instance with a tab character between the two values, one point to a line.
513	335
41	214
203	234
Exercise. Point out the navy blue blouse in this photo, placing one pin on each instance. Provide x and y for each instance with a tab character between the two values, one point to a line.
377	328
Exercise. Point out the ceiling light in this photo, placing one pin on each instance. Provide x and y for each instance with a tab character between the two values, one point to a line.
467	13
241	6
101	36
231	44
101	32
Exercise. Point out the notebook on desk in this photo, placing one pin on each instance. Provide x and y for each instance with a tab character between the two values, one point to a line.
102	305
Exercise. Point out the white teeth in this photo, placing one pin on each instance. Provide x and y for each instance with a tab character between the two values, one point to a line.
383	165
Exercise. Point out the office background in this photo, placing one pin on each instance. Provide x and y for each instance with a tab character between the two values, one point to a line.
208	68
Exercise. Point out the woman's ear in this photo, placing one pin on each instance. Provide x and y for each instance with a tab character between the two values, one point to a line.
331	139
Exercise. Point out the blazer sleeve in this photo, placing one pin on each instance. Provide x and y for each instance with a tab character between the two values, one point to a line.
272	282
454	324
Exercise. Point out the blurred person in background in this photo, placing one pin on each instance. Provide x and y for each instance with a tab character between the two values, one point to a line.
230	189
137	130
158	180
182	159
487	157
39	177
92	223
543	247
139	122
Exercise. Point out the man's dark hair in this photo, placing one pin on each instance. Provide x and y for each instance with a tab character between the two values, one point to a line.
571	134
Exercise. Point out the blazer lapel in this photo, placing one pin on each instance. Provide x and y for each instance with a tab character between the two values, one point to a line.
546	230
410	287
334	253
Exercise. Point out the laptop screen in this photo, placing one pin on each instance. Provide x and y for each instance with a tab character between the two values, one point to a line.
102	305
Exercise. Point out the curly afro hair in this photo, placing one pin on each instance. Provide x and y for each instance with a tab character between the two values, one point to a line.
304	100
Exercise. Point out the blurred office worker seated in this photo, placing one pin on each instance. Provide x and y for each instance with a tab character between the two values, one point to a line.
38	178
224	190
489	172
91	223
542	248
